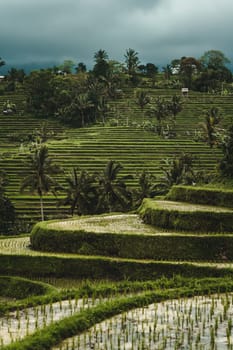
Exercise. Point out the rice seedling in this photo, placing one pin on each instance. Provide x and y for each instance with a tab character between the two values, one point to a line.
117	223
202	323
17	324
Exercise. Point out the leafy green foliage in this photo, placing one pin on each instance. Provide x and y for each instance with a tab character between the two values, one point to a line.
160	111
214	59
98	192
67	66
7	215
178	170
211	80
142	98
81	68
40	178
209	126
175	105
102	108
131	61
81	193
78	112
7	210
43	133
114	194
148	187
226	163
16	75
187	68
40	93
101	67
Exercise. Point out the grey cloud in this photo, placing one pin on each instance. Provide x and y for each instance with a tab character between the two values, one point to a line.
52	30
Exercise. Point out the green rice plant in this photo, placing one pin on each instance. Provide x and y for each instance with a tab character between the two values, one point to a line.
163	333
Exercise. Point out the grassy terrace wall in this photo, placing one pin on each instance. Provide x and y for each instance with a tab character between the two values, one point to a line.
200	195
157	246
102	268
180	216
20	288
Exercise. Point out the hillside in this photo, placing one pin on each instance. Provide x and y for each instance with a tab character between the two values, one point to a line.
91	147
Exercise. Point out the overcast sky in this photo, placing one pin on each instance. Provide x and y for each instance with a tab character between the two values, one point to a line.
50	31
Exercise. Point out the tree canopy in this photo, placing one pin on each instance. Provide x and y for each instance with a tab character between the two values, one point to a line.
214	59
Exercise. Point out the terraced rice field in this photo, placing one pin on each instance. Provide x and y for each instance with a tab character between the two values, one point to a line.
191	207
21	323
90	148
119	223
202	323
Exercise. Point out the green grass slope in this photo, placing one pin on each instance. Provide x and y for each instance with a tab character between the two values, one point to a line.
91	147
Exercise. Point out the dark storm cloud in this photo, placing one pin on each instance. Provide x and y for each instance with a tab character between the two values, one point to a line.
53	30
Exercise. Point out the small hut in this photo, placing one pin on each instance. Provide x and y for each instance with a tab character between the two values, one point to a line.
185	91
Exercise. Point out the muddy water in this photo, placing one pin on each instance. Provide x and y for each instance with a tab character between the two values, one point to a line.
200	323
16	325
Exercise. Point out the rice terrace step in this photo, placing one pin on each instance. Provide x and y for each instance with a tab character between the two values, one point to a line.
125	236
186	216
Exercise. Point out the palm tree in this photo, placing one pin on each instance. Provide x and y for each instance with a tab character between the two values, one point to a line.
148	187
7	215
132	61
178	170
40	178
101	67
113	190
14	75
167	70
103	107
160	112
175	105
7	210
84	105
100	55
81	68
3	181
95	88
81	193
44	132
142	98
111	83
212	119
226	163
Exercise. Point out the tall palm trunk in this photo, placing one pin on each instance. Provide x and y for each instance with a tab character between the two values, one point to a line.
41	208
83	120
